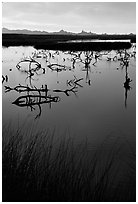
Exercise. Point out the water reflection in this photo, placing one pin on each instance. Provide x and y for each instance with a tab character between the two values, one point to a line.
4	78
32	68
33	99
127	86
40	96
62	61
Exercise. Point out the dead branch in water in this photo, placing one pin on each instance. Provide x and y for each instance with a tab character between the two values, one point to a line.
33	100
74	82
73	90
21	88
30	60
63	67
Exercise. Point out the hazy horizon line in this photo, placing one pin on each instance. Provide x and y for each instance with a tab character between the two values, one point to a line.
82	30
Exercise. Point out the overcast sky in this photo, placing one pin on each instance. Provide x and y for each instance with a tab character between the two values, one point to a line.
109	17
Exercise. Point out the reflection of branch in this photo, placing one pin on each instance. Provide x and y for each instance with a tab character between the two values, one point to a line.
74	82
96	58
88	77
30	72
32	100
87	69
124	63
127	86
21	88
4	78
73	90
28	100
31	60
39	114
75	57
56	69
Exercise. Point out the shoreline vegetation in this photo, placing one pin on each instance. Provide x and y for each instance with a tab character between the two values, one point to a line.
59	42
39	168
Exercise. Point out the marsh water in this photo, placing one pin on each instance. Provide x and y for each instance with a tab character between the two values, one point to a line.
86	92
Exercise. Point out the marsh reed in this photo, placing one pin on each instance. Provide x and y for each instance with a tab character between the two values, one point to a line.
37	167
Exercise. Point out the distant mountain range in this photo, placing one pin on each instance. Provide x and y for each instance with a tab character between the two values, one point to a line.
24	31
61	32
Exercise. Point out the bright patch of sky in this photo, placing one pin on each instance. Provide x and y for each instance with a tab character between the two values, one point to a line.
99	17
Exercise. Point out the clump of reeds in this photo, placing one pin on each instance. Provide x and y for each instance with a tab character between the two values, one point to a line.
38	168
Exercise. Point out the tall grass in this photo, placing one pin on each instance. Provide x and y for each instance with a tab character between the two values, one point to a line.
38	168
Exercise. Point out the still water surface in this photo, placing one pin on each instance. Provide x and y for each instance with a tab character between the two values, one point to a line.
96	104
